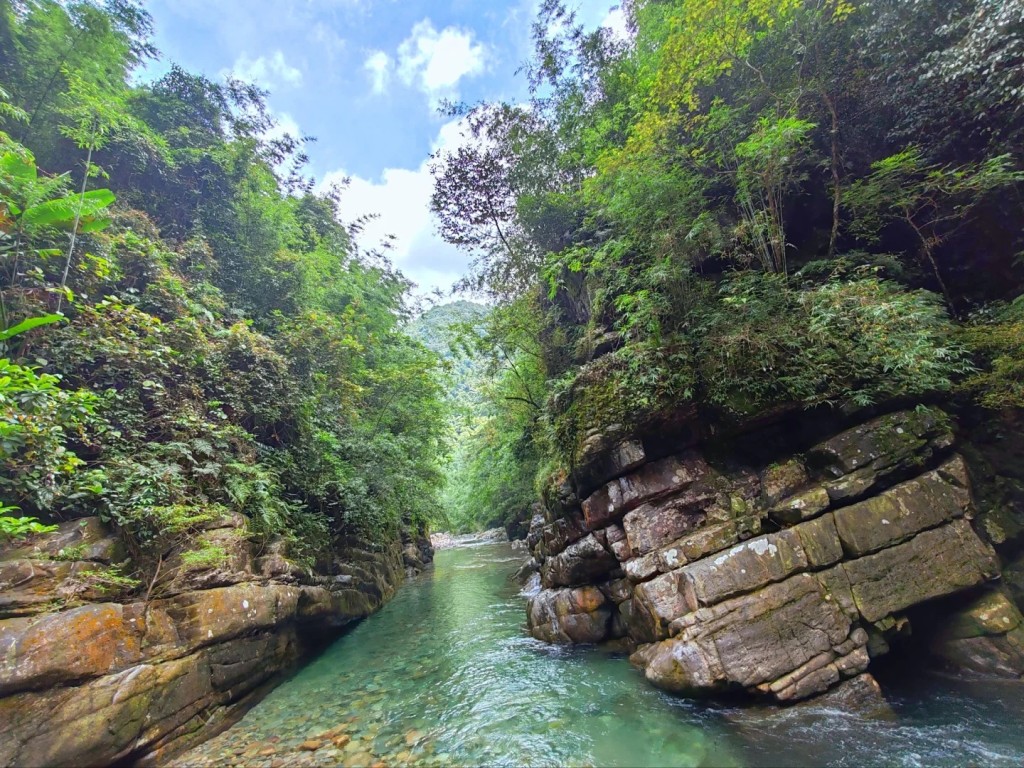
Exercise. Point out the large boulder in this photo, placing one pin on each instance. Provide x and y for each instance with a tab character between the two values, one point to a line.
904	510
653	525
858	460
651	482
126	679
782	581
777	615
984	637
145	708
66	566
580	563
861	695
933	564
557	535
790	639
580	615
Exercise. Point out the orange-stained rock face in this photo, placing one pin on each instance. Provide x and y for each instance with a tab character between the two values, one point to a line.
65	647
102	682
580	615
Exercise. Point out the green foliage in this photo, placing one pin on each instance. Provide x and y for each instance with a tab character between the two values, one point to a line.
225	348
932	201
665	218
27	325
619	394
38	419
29	212
72	553
769	163
13	528
996	338
494	457
860	341
110	581
205	556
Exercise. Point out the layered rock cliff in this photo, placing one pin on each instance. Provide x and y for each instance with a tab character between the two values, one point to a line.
782	577
87	679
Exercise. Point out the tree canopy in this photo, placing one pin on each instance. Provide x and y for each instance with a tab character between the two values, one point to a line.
188	330
745	206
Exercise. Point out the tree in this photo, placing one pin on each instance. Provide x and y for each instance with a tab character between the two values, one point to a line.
769	165
933	201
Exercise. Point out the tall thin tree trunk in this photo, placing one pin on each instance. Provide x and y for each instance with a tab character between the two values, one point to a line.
927	246
74	230
837	189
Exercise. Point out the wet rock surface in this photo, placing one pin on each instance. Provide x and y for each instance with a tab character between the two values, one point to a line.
92	677
445	540
570	615
782	581
984	636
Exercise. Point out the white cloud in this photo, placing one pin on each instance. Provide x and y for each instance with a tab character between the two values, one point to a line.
401	199
615	21
378	64
266	70
435	62
330	42
285	124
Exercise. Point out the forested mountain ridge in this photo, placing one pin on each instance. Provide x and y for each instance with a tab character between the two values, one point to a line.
448	330
476	494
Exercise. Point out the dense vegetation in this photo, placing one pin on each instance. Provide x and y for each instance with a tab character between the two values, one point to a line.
746	206
187	330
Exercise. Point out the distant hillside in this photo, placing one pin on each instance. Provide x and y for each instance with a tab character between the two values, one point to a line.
439	328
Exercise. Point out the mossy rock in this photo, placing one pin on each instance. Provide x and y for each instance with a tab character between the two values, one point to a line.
614	397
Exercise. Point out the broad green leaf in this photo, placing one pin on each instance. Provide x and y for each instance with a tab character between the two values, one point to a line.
15	166
98	198
59	211
94	225
63	209
28	324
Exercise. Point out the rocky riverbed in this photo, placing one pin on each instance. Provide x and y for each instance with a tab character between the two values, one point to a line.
90	678
445	675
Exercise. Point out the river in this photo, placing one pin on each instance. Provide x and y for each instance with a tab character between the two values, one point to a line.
445	674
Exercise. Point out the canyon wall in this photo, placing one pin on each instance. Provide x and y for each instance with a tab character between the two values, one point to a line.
722	572
86	679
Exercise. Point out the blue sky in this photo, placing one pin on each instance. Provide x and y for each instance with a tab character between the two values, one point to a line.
364	77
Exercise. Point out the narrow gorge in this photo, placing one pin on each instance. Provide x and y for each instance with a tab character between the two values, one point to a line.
603	384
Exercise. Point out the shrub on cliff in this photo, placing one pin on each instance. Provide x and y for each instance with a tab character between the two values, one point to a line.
619	393
700	171
996	338
766	343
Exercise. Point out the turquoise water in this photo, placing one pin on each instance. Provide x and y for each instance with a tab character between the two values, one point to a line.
446	675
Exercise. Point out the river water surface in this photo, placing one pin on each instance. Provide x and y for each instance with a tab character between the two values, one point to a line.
445	674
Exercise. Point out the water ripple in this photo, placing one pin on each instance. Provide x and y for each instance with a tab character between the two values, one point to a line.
446	675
